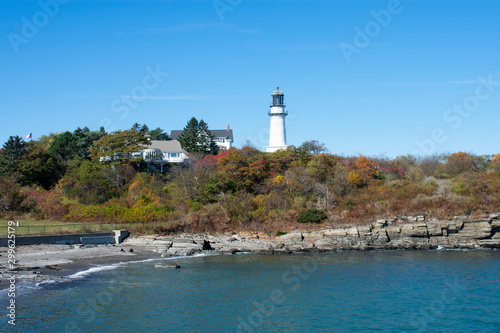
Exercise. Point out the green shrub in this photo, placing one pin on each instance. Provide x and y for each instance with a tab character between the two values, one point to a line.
280	233
311	215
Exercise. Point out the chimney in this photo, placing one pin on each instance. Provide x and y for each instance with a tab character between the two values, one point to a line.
228	128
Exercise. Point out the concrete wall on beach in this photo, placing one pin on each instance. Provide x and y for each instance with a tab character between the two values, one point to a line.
115	237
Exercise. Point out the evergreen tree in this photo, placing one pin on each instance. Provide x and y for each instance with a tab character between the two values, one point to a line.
206	139
155	134
189	137
196	138
65	145
12	150
158	134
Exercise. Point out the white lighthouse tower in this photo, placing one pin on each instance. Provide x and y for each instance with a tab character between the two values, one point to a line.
277	137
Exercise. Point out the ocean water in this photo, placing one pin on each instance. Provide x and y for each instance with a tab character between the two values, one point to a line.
386	291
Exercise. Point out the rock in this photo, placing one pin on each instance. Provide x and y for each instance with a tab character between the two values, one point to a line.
334	233
380	236
282	251
436	228
353	232
263	235
414	230
411	219
476	230
393	232
184	247
205	244
380	223
293	237
364	230
490	243
324	244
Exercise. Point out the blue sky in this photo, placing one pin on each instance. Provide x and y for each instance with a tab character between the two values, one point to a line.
398	87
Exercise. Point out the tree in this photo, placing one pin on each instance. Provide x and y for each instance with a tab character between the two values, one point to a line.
206	139
196	138
118	146
12	151
86	182
10	194
243	169
155	134
313	147
65	146
38	167
189	136
158	134
495	163
458	163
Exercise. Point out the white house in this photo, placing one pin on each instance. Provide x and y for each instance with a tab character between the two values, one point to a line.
223	138
162	152
157	153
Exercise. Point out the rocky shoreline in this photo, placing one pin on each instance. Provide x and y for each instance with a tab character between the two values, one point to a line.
40	263
402	233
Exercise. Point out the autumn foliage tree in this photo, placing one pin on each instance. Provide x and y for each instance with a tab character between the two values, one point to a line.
495	163
458	163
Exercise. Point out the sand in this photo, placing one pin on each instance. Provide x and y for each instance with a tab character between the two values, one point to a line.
54	262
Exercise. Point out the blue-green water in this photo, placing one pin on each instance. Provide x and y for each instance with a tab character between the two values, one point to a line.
391	291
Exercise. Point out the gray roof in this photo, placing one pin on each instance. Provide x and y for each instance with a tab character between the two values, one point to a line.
277	92
171	146
228	134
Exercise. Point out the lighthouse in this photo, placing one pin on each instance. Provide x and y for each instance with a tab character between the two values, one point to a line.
277	137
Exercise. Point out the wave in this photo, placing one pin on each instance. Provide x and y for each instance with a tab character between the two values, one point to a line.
22	288
89	271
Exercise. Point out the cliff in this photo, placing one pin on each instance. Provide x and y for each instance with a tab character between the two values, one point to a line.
403	233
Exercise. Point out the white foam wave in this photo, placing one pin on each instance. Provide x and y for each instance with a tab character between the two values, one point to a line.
89	271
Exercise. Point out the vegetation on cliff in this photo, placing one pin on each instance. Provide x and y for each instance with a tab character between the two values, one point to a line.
60	177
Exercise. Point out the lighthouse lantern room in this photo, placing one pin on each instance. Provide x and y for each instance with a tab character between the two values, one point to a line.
277	137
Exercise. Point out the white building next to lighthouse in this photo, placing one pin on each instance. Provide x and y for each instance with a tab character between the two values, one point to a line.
277	137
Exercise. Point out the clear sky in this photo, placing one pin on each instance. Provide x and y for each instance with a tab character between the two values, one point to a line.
363	77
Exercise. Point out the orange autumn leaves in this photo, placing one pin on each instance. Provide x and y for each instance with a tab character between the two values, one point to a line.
361	169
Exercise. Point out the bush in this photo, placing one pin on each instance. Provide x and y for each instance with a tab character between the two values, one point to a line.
311	215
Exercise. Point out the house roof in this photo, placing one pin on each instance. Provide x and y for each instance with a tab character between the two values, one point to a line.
228	134
171	146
